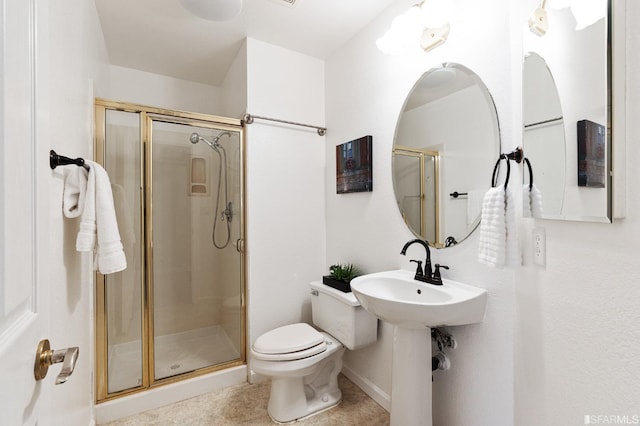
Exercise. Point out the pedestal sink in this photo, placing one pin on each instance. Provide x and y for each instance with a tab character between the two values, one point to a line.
413	307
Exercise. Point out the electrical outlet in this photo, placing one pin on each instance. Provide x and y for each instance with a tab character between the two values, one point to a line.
539	247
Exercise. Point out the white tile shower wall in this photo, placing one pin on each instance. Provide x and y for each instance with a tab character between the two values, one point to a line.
285	185
365	93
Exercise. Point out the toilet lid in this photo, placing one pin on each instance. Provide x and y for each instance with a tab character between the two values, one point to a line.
288	339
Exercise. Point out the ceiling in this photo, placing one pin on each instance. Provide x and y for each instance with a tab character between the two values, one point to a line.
161	37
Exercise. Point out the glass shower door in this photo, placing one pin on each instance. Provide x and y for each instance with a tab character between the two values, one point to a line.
195	224
123	290
177	311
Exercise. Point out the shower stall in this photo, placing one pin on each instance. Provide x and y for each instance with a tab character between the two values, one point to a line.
178	310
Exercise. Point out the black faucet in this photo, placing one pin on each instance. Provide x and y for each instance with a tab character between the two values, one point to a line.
420	275
426	276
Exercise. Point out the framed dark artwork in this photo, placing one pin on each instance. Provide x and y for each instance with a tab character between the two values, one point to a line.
354	166
592	150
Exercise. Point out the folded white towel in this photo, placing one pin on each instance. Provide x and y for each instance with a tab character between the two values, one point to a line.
98	223
498	246
74	191
493	230
513	256
531	201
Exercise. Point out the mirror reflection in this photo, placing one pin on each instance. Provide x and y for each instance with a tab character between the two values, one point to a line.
565	114
447	140
544	132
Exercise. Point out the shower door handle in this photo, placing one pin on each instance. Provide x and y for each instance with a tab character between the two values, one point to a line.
45	357
240	245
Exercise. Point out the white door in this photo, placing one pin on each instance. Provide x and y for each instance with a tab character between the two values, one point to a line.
23	315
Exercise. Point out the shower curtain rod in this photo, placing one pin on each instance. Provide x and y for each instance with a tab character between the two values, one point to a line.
248	118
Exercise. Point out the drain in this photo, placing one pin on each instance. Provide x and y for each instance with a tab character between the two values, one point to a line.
175	366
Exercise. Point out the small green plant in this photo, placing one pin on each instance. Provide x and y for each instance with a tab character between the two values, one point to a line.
344	272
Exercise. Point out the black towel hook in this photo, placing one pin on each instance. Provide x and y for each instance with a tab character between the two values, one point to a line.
526	160
495	170
516	155
56	160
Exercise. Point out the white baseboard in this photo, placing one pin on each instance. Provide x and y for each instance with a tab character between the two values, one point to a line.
377	394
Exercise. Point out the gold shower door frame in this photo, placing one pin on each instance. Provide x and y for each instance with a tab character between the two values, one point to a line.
421	154
147	116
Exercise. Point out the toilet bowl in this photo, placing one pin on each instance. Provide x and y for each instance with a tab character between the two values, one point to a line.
304	363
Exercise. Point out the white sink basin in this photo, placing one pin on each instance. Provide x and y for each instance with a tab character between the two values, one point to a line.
396	297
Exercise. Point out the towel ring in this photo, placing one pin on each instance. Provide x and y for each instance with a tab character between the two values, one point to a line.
495	171
526	160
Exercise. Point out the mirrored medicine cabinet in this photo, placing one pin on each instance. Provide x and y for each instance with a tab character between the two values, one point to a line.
569	136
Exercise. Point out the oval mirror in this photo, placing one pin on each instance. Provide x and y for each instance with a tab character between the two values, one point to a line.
447	141
544	132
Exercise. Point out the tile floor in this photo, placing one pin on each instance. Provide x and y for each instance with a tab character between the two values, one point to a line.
246	404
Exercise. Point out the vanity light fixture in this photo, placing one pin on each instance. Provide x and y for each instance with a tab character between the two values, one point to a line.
538	23
213	10
586	12
423	26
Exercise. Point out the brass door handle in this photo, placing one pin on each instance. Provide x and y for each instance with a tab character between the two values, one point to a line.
45	357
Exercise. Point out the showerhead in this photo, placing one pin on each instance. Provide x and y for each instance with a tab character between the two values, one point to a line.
217	138
195	138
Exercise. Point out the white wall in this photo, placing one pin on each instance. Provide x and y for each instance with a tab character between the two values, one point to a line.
365	93
577	347
565	336
285	185
234	86
72	62
144	88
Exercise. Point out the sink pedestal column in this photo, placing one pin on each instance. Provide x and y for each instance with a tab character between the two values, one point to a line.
411	377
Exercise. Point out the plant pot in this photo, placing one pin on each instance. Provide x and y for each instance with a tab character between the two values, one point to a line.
343	286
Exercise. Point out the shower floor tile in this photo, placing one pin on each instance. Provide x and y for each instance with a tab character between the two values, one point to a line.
175	354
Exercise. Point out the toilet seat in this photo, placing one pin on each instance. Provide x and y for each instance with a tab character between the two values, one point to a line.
290	342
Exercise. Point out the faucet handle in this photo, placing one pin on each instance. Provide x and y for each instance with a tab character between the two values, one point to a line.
419	272
437	278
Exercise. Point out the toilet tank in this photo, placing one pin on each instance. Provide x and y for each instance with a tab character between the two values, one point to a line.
341	315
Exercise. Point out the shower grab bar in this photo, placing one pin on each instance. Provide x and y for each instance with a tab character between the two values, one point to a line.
56	160
248	118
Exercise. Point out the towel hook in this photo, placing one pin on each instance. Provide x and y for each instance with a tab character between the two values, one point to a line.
526	160
516	155
495	170
56	160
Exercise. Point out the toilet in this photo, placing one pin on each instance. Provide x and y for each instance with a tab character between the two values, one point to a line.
304	363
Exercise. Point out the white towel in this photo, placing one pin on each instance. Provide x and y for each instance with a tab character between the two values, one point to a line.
74	191
98	219
498	244
493	230
531	202
513	256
